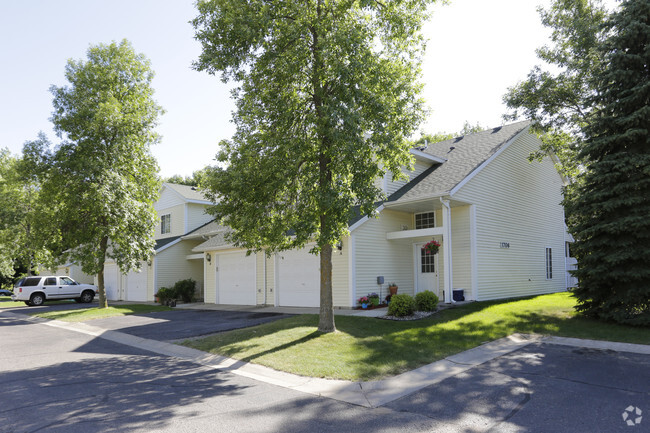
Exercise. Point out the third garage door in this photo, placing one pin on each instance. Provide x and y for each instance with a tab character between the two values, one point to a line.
298	279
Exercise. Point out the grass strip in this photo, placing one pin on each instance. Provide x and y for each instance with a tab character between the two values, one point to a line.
84	314
370	349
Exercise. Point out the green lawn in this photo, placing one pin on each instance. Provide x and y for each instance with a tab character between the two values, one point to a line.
99	313
370	349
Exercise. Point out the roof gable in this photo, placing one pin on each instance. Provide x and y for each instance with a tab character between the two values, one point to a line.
464	155
189	194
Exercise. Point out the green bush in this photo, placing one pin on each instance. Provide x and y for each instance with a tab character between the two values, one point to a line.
185	289
426	301
401	305
165	294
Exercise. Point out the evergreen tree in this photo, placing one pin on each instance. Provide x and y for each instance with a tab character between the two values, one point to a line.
608	208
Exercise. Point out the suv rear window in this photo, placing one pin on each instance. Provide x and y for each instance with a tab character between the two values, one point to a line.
32	281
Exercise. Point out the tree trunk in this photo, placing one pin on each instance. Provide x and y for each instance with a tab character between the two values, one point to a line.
326	319
103	302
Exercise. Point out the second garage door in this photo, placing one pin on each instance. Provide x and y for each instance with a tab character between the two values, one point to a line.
136	284
298	279
236	279
112	282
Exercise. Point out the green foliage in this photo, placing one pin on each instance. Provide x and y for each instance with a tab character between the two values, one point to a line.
185	290
21	215
401	305
426	301
194	180
327	96
557	100
166	294
608	208
102	179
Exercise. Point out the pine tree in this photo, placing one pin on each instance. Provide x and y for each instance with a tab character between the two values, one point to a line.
608	209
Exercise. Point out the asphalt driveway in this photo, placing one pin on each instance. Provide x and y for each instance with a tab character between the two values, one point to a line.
182	324
177	324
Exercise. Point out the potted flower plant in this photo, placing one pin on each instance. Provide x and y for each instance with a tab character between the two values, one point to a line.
432	247
374	299
363	301
392	287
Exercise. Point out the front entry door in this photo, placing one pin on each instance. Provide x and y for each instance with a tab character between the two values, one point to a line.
426	270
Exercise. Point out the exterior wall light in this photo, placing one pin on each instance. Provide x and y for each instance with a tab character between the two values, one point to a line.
208	257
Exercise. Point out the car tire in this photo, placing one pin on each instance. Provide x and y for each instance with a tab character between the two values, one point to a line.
29	304
37	299
87	297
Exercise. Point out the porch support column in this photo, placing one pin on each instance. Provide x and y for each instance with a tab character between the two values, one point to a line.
446	249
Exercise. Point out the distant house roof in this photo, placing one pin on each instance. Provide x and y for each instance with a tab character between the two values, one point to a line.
189	193
463	154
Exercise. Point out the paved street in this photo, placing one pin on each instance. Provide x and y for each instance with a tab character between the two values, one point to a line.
54	379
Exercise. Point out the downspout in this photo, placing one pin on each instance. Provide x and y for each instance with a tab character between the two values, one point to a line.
447	246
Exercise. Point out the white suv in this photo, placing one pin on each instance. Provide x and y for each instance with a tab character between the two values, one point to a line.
36	290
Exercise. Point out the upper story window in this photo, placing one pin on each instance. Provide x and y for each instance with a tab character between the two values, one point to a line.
166	224
425	220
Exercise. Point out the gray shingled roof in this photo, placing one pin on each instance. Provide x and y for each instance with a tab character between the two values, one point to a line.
464	155
162	242
217	240
188	192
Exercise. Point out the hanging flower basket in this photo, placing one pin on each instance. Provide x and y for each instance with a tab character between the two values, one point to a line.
432	247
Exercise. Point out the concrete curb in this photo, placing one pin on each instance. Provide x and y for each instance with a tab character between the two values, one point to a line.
367	394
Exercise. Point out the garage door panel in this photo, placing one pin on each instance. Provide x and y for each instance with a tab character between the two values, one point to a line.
298	279
112	282
136	285
236	279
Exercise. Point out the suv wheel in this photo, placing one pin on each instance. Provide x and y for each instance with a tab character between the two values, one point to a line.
87	296
37	299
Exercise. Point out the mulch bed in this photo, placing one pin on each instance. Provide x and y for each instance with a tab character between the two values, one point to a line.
372	307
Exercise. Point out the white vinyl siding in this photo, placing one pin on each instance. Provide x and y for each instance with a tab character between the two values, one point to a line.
168	198
418	168
518	203
341	274
210	294
196	216
172	265
376	256
460	250
177	215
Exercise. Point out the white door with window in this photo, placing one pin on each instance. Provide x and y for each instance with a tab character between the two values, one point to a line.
426	272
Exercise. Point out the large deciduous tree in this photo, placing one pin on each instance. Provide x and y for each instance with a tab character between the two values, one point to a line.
609	208
22	243
556	96
102	180
327	95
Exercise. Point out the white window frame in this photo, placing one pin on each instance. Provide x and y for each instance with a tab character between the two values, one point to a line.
165	225
422	213
548	256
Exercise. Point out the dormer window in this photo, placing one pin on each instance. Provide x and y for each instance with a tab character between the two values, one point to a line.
166	224
425	220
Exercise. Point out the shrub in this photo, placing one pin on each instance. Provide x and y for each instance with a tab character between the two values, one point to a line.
401	305
185	290
426	301
165	294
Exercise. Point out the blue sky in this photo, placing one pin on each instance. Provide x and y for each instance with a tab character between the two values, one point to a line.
476	49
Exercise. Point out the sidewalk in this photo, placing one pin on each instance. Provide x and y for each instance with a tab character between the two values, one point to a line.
367	394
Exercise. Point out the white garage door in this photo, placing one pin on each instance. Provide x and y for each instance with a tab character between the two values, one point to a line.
112	281
236	277
298	279
136	284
